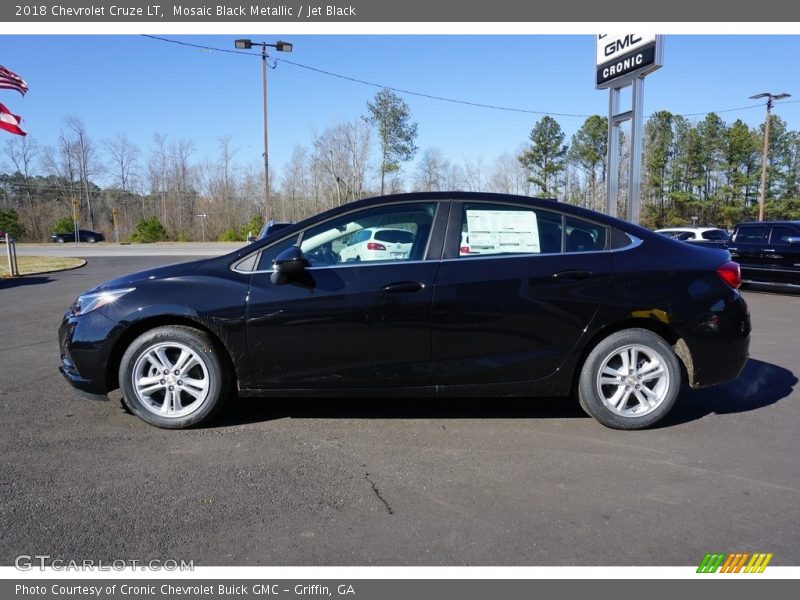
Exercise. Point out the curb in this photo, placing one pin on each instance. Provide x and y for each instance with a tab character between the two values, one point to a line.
82	264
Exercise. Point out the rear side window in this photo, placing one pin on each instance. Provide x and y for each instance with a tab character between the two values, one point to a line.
751	233
585	236
507	229
394	236
781	232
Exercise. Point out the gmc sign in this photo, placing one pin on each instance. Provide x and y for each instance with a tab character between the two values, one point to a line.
621	57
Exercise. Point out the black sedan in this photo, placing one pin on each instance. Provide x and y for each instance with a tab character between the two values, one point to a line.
496	296
84	235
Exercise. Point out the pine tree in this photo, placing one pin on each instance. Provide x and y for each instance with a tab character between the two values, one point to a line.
396	133
544	159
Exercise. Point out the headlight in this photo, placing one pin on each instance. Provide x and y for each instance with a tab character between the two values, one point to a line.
86	303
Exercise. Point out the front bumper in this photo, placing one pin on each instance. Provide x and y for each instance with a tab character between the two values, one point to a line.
85	344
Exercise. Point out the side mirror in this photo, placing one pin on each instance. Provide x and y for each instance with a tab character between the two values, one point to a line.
288	265
251	238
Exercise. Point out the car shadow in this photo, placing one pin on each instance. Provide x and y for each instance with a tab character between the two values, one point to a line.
251	410
759	385
12	282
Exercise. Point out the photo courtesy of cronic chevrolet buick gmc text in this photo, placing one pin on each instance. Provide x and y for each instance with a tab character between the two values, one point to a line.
546	300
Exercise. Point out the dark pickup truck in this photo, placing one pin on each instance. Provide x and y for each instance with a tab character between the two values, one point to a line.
768	252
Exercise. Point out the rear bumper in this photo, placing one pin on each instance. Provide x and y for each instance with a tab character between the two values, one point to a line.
719	344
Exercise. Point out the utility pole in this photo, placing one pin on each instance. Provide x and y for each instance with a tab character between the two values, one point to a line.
280	47
765	158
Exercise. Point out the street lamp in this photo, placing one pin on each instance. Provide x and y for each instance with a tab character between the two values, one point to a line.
765	158
280	47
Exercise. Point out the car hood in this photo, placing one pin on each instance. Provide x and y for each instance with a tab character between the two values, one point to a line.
163	272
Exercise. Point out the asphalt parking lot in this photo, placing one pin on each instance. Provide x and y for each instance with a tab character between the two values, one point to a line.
401	482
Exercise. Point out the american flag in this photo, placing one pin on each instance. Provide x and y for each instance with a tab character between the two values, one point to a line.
11	81
10	122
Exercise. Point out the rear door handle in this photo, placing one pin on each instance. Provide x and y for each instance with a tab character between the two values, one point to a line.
403	287
573	274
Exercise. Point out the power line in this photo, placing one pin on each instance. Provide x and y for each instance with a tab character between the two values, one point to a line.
432	96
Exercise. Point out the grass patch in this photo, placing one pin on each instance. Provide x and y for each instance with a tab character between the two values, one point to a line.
39	264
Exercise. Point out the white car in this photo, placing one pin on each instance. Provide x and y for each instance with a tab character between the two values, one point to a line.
696	234
375	243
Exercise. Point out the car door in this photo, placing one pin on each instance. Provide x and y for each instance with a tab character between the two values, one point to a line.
347	325
784	253
512	304
747	249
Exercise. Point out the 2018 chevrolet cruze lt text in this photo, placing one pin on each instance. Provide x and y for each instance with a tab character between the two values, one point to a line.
547	300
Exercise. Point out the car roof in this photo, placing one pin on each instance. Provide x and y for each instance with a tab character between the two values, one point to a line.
692	229
458	196
796	223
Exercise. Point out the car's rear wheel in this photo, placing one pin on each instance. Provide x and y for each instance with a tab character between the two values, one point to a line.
630	380
173	377
91	240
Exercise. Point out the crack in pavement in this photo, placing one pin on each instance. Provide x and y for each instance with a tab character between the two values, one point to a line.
378	494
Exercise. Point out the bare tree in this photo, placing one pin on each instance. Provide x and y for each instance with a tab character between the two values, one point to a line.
341	153
508	176
87	163
431	172
123	165
23	153
297	187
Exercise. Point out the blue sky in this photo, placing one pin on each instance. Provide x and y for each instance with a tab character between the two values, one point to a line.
139	86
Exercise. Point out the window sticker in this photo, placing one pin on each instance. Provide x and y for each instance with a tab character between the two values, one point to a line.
502	231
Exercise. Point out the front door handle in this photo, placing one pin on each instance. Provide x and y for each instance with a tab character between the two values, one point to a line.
403	287
572	274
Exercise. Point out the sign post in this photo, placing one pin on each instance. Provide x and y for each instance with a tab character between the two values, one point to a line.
115	217
623	60
203	217
76	211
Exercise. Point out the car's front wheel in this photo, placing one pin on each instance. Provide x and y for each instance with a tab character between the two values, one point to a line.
173	377
630	380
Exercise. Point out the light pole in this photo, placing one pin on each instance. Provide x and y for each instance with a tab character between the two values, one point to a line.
280	47
765	158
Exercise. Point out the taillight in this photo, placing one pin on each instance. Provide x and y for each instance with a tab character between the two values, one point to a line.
730	274
463	250
375	246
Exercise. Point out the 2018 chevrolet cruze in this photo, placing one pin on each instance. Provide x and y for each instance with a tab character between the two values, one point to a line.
547	300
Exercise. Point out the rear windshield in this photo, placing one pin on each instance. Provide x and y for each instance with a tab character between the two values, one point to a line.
395	236
715	234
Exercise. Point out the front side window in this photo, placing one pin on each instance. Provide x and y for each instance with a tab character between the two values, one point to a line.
752	233
382	234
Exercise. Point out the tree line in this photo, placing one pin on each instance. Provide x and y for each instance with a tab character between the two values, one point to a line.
707	169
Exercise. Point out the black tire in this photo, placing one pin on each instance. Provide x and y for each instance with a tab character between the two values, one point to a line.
621	402
59	240
91	240
209	370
